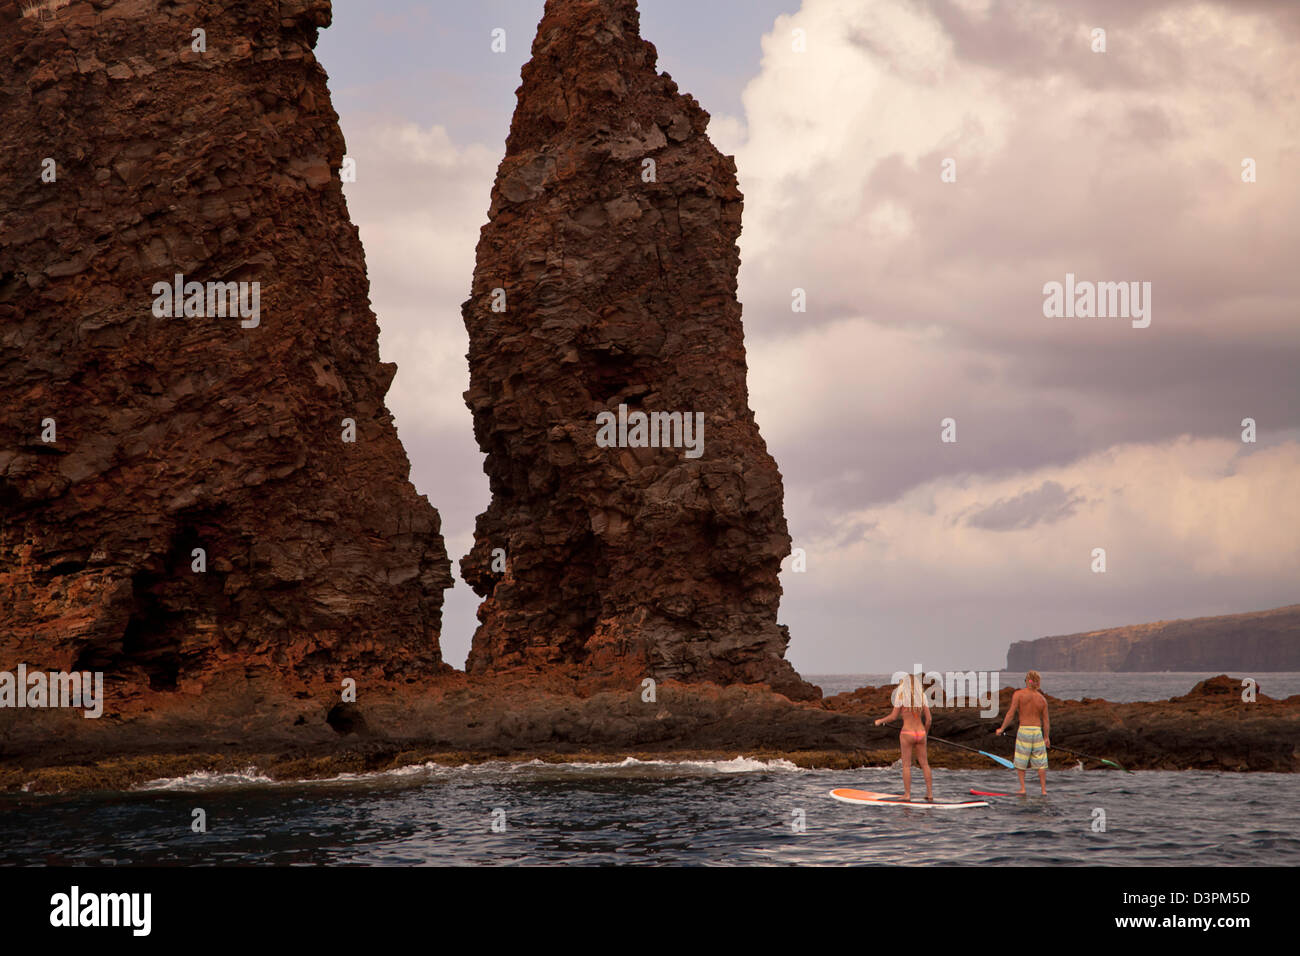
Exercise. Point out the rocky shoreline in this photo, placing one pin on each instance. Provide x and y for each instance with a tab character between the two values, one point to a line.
460	720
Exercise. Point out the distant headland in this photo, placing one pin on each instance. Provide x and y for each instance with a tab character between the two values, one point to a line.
1255	640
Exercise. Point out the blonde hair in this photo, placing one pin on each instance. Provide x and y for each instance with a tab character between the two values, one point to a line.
1033	678
909	692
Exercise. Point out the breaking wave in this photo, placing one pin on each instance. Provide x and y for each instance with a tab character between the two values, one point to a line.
629	766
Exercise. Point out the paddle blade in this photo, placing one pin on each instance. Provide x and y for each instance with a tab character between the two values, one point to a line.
1002	760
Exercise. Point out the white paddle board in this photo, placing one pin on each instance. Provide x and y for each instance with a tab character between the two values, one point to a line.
869	798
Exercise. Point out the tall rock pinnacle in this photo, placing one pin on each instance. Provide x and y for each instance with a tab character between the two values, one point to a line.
636	523
197	469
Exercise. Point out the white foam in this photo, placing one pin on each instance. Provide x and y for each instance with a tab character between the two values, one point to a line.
735	765
251	776
206	780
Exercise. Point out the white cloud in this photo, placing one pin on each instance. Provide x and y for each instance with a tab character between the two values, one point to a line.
728	133
1176	513
418	202
924	301
1123	165
1189	528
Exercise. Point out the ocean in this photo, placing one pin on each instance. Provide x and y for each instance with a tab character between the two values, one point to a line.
724	812
1118	688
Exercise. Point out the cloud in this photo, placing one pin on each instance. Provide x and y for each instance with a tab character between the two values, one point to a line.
418	202
925	302
1136	177
1189	527
1046	504
727	133
1168	514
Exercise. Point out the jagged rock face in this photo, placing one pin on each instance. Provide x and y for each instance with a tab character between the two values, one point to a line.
172	434
1254	641
600	282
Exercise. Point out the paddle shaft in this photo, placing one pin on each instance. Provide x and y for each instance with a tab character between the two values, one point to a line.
984	753
1088	756
1075	753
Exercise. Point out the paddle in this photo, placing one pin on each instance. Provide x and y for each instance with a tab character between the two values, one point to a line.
1075	753
1002	760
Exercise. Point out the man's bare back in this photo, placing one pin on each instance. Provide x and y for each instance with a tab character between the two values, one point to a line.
1031	705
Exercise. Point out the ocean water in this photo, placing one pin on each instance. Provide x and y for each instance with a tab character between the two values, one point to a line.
1119	688
704	813
728	812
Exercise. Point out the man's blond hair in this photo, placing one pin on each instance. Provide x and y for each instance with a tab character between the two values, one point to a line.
1033	679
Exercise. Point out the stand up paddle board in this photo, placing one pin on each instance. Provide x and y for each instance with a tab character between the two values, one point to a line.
869	798
993	793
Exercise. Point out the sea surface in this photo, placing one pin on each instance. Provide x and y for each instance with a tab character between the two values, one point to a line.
702	813
739	811
1119	688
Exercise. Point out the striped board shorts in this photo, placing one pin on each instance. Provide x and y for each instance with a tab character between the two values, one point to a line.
1030	750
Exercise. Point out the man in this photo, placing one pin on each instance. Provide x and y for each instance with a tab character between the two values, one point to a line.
1035	733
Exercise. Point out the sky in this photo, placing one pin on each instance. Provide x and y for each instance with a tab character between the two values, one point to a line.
922	170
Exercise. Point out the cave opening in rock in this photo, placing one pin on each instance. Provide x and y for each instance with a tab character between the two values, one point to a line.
346	719
168	595
150	642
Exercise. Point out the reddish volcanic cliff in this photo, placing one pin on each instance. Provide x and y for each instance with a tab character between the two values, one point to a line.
171	434
606	277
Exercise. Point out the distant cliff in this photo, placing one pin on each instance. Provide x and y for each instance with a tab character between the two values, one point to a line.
1257	640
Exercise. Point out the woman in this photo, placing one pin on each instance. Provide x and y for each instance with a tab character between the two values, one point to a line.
909	698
